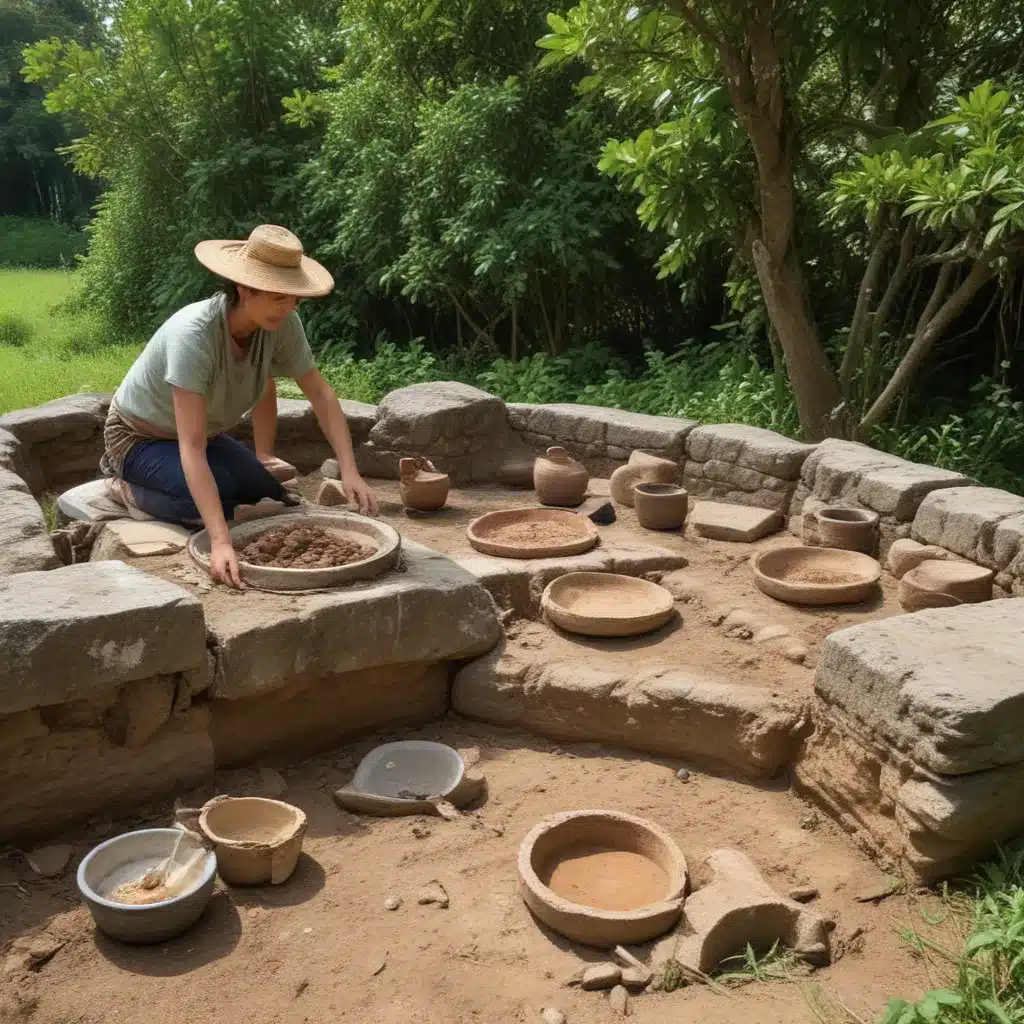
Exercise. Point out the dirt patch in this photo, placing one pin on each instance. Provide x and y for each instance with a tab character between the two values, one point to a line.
324	947
301	547
606	878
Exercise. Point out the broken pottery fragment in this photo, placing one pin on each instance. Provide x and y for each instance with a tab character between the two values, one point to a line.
331	493
740	908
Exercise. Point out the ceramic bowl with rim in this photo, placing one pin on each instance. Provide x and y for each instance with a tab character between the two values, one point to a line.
410	770
816	576
126	858
606	604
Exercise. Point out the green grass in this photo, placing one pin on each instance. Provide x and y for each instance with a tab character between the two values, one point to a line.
39	242
47	351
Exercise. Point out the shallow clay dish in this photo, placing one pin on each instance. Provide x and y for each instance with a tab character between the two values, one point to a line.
257	841
816	576
944	584
532	533
347	525
129	857
572	861
606	604
409	770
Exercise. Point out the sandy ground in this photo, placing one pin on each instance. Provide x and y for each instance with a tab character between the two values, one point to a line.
311	951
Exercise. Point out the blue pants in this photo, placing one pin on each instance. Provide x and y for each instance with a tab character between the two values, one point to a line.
153	471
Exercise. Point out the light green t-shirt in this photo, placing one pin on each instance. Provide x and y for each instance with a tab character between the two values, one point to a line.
192	351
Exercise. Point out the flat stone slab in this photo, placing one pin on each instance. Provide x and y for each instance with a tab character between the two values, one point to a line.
744	524
88	503
749	730
79	417
25	544
846	471
127	538
73	632
945	688
433	611
753	447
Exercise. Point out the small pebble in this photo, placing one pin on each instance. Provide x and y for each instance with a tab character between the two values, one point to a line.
392	903
49	861
804	894
618	998
683	775
552	1016
636	977
601	976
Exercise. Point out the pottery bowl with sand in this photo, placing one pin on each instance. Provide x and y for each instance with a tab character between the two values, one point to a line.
257	841
606	604
602	878
851	529
382	542
816	576
107	876
532	533
409	770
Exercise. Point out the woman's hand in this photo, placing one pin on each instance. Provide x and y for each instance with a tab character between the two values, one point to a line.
360	493
224	564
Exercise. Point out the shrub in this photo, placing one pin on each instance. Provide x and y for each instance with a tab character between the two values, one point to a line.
15	331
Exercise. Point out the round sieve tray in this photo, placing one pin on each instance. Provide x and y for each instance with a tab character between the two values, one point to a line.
349	525
505	533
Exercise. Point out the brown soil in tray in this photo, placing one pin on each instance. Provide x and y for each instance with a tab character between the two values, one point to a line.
534	535
323	948
821	577
301	547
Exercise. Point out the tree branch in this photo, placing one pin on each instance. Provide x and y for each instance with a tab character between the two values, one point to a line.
854	353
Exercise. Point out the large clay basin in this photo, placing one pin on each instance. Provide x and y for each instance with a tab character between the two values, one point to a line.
606	604
257	841
651	868
520	533
816	576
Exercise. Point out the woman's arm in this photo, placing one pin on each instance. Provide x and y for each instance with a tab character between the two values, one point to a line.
190	420
328	413
264	423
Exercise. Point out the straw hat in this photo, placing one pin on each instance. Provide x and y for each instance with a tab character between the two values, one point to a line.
271	260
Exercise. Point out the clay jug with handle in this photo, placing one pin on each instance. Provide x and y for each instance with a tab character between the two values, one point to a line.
420	484
559	479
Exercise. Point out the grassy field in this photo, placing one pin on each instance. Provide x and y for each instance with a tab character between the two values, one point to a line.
45	352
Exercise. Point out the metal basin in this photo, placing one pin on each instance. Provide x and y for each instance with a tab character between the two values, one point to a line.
127	858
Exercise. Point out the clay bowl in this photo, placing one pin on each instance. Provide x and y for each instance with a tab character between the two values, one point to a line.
849	529
606	604
127	858
816	576
257	841
349	525
942	584
660	506
409	770
520	533
602	878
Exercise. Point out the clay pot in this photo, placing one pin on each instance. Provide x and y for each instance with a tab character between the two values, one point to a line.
257	841
559	479
660	506
421	486
942	584
642	468
848	529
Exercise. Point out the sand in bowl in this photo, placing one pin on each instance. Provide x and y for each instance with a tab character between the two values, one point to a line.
606	879
136	893
822	577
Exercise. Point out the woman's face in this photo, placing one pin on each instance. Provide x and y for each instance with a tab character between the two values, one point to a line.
266	309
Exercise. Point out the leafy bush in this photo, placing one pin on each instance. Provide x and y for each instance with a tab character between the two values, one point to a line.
15	331
39	242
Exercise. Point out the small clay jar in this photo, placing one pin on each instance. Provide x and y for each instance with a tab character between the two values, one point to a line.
642	468
421	486
660	506
849	529
559	479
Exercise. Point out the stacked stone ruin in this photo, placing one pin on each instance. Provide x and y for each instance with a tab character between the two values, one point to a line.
117	686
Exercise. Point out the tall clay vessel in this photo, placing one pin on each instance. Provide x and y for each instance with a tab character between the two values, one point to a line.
559	479
421	486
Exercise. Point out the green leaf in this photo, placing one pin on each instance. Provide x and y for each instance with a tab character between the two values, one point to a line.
992	1007
559	24
981	939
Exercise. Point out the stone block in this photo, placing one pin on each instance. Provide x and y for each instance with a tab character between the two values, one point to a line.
945	688
77	417
743	729
298	429
433	611
982	524
11	454
762	450
743	524
737	909
122	539
72	632
927	827
854	473
438	414
25	544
